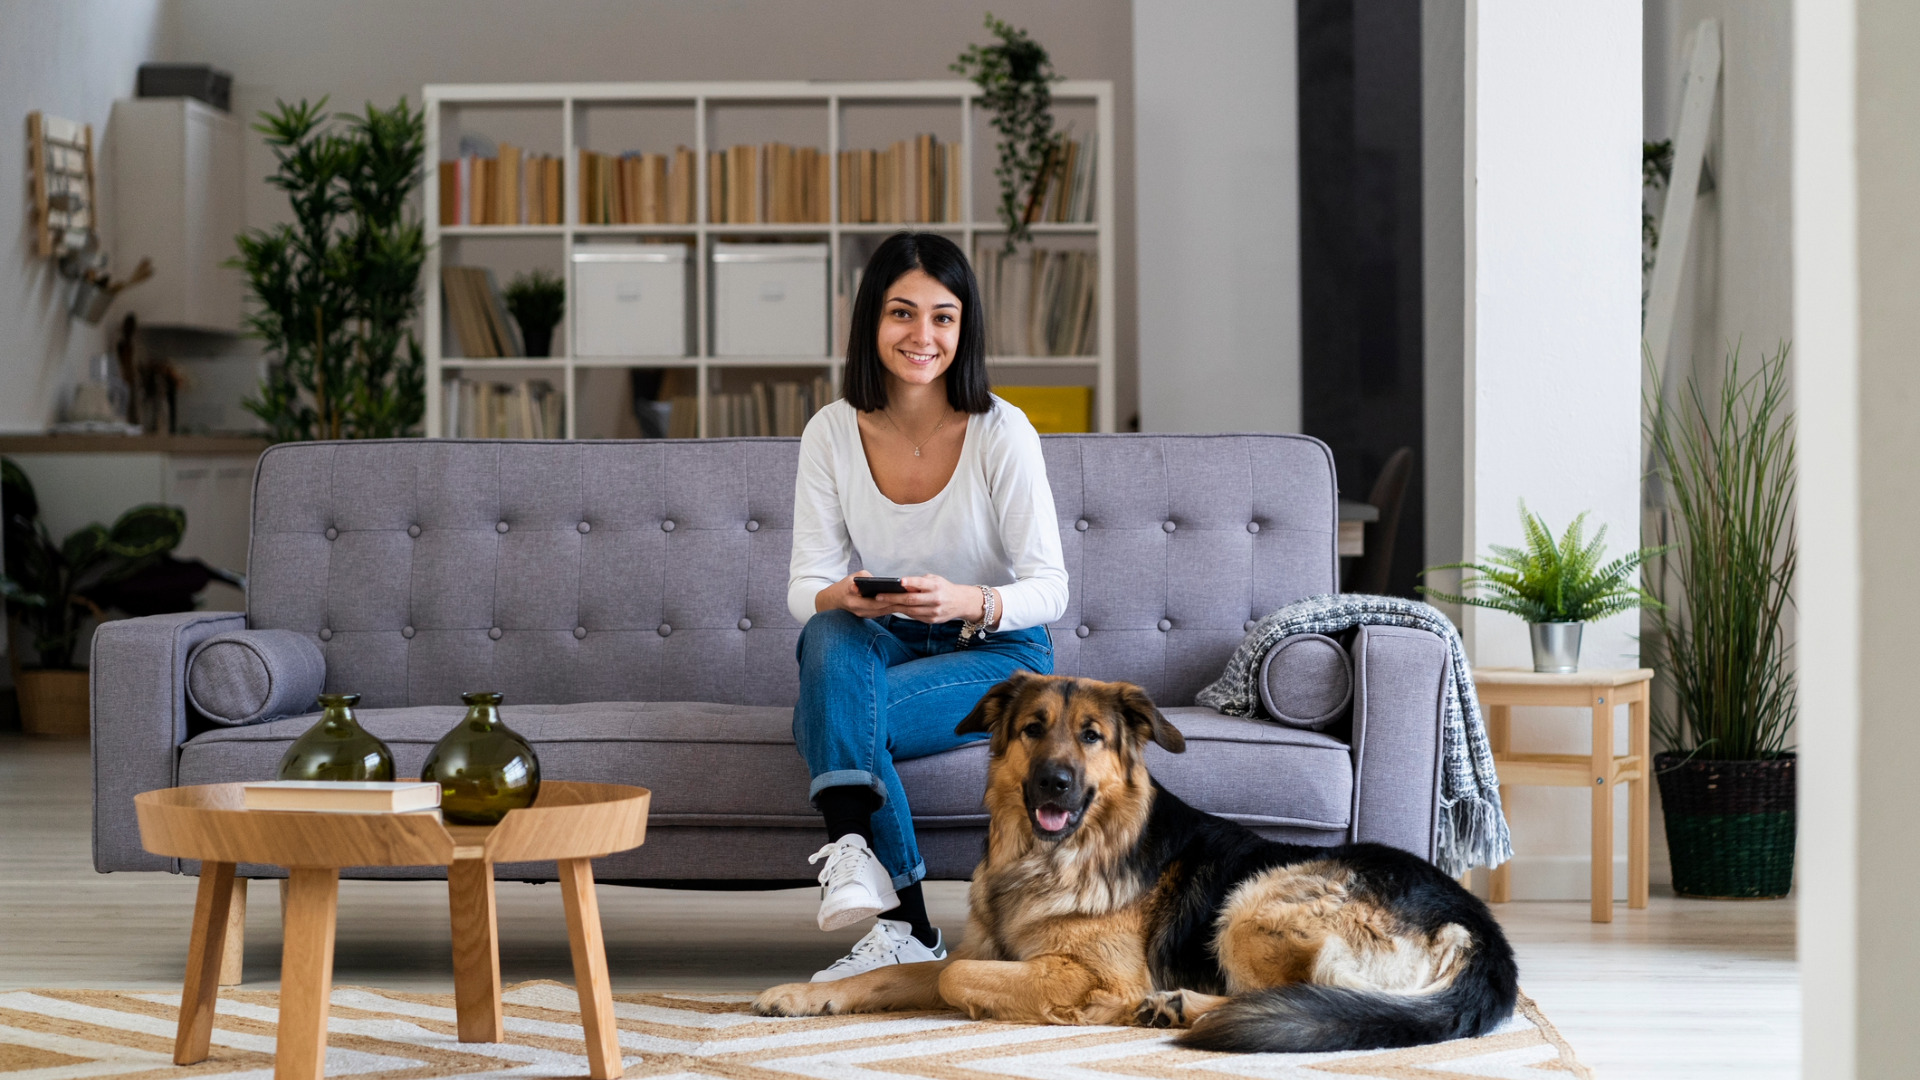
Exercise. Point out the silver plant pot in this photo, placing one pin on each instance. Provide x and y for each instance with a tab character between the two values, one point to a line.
1556	646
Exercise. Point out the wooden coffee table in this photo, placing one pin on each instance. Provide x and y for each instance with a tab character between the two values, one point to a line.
571	823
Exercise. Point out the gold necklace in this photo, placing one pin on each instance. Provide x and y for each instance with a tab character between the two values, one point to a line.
909	438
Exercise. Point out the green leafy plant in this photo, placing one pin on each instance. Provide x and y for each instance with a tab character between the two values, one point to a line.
336	287
1016	78
1552	582
51	588
537	300
1726	463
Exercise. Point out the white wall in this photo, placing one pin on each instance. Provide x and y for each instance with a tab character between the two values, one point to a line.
68	58
1552	380
1216	116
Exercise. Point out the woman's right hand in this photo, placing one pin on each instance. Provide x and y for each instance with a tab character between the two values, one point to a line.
843	595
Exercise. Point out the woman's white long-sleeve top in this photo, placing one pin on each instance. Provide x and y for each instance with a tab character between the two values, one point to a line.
993	524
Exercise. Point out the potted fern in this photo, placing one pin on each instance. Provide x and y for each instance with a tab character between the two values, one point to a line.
1725	463
1556	587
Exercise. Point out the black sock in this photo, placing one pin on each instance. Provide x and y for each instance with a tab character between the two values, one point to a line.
913	912
848	809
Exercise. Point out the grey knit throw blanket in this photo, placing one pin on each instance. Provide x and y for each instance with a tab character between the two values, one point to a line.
1473	831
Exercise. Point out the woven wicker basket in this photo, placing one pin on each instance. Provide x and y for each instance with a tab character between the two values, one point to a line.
1730	826
53	704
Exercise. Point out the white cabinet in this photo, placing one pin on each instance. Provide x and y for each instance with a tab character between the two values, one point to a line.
177	200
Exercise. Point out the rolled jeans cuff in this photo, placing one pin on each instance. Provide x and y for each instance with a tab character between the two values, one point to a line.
901	881
849	778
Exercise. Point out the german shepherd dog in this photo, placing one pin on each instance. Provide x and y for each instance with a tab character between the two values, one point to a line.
1104	899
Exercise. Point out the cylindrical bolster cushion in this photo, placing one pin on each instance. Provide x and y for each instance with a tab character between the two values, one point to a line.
1306	681
246	676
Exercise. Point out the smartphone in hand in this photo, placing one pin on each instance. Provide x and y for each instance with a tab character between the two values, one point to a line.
873	586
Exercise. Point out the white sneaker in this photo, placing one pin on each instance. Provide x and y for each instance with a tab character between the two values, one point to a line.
889	942
853	884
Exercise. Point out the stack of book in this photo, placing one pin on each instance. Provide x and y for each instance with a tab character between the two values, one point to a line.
767	408
1039	302
637	189
477	313
1063	192
512	189
529	409
772	183
914	180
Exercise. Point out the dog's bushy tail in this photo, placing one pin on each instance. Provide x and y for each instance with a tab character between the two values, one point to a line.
1305	1017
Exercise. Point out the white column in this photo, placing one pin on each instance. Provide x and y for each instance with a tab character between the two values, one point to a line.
1552	357
1216	142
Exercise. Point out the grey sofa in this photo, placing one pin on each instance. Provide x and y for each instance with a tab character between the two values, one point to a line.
630	600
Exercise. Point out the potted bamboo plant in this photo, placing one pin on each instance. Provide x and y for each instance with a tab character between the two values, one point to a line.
1726	467
1556	587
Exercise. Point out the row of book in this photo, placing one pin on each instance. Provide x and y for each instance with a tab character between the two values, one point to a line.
529	409
770	183
1063	192
513	188
915	180
477	314
1039	302
637	189
780	407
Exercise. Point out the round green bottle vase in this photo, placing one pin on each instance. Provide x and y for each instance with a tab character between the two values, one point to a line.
337	747
484	768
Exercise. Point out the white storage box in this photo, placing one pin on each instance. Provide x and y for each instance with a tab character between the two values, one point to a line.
630	300
770	300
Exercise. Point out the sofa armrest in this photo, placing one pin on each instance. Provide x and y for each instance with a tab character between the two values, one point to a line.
1399	702
138	694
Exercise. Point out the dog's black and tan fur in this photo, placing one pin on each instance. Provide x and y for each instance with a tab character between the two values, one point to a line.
1104	899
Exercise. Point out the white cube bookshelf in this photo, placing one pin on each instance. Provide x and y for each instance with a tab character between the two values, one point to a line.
712	115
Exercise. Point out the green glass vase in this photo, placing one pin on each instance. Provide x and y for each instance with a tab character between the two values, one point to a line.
337	747
484	768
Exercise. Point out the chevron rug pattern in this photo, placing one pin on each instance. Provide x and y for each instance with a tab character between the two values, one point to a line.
388	1035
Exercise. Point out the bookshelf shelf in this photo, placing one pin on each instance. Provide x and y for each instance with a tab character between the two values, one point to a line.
565	119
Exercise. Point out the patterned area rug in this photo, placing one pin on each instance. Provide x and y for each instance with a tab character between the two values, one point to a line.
387	1035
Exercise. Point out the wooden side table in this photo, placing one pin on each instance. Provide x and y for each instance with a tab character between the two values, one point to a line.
1600	690
572	823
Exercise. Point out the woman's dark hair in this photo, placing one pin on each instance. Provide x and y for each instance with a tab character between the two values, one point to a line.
865	383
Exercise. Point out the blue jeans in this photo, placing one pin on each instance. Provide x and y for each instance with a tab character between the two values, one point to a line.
873	691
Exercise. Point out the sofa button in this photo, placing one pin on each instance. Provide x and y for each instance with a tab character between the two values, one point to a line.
1168	526
1081	630
1253	526
1080	525
494	633
326	634
745	624
333	533
1166	624
407	632
500	528
667	525
584	527
579	633
753	526
413	531
1251	623
665	629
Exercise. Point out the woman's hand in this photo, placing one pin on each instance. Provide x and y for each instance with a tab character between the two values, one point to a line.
929	598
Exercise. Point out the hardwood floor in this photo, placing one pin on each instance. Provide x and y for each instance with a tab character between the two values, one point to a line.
1685	989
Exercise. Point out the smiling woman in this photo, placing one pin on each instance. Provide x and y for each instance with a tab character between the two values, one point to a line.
936	482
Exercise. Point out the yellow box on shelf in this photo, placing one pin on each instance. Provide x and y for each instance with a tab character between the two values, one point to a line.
1054	410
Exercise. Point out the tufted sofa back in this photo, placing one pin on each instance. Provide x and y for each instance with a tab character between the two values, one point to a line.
657	570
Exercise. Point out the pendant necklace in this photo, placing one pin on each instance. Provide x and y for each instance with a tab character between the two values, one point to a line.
909	438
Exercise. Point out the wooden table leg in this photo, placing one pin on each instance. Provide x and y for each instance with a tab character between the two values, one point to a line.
1499	735
476	951
1601	778
306	973
590	969
230	959
1640	745
210	906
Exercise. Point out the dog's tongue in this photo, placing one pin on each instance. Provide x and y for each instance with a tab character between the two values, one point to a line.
1051	818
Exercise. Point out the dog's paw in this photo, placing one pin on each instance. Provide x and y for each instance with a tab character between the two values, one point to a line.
1162	1009
796	999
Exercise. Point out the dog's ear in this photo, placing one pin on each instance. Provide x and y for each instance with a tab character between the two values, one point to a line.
1144	720
991	712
